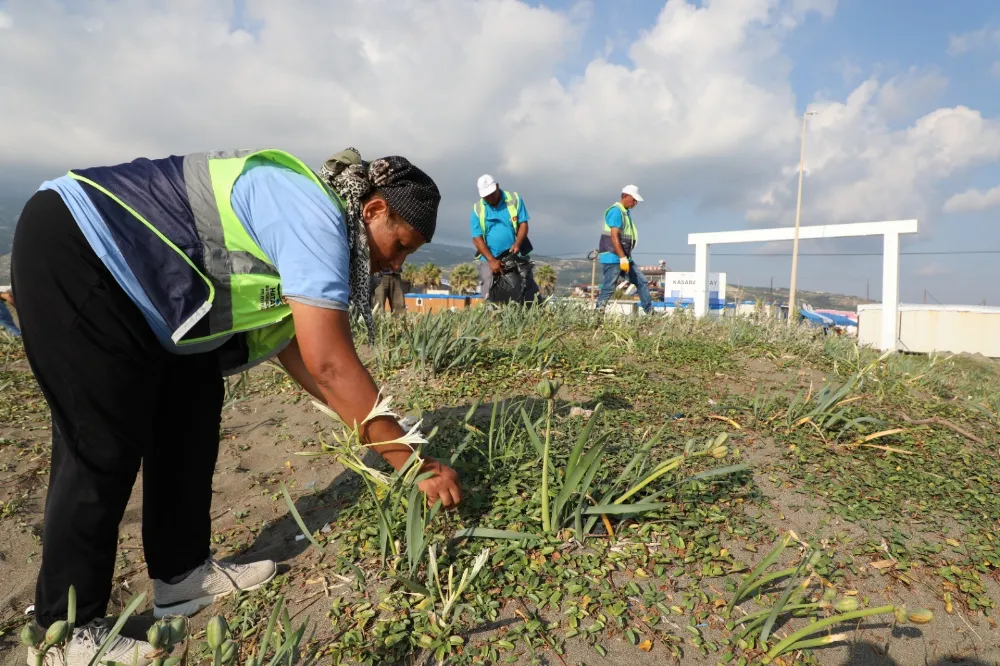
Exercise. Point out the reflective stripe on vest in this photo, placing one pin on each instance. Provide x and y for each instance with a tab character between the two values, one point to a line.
243	287
628	233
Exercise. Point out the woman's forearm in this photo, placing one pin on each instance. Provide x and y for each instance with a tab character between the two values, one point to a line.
345	386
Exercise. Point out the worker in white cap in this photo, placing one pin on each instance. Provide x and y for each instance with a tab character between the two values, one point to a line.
617	242
499	226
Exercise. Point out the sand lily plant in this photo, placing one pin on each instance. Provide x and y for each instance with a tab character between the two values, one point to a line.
441	598
805	595
59	635
164	635
387	490
573	502
437	344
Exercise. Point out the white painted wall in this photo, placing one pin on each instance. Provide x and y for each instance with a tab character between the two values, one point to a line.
936	328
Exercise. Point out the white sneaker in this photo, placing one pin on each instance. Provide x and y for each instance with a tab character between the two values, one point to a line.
86	642
207	584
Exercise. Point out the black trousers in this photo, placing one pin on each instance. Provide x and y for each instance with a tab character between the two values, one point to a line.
389	287
118	399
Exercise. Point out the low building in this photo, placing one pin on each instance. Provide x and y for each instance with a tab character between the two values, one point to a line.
438	302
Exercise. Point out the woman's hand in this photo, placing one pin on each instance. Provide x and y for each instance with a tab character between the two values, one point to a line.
444	485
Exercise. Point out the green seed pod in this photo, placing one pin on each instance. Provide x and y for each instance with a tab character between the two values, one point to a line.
31	635
228	652
178	630
172	661
920	616
829	594
846	605
545	389
57	633
154	637
216	631
900	613
165	641
720	452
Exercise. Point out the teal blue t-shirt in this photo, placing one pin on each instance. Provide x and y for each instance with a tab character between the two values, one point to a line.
500	234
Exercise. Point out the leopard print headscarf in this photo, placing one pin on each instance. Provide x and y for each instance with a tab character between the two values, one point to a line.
347	175
409	191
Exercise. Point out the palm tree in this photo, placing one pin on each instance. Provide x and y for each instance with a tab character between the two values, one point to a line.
431	275
546	277
417	276
464	278
410	273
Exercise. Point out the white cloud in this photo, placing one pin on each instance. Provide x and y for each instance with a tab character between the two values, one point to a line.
6	20
422	76
973	40
863	170
702	110
850	72
973	200
907	95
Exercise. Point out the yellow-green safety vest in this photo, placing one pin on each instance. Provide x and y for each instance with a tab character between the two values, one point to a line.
628	234
513	201
221	285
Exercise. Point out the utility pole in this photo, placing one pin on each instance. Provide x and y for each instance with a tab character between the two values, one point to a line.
868	294
593	278
925	297
798	216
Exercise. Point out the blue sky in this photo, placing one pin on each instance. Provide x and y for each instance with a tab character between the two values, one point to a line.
697	102
829	57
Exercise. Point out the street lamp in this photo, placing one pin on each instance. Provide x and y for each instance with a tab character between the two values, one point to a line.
798	217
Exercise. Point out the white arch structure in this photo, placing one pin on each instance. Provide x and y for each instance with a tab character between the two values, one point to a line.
889	231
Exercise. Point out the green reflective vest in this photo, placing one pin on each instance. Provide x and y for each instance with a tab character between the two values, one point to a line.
513	201
628	233
235	287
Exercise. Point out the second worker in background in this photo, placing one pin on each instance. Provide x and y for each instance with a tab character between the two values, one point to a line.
617	242
499	225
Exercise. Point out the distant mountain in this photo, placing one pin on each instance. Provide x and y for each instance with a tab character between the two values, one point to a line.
817	299
10	210
445	256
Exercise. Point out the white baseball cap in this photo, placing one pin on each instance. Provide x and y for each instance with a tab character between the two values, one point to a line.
633	191
487	185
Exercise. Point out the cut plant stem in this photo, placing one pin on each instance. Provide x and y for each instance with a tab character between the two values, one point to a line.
764	613
819	642
771	558
796	610
797	636
767	579
546	523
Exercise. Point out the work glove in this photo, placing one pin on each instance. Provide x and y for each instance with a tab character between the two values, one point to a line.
623	263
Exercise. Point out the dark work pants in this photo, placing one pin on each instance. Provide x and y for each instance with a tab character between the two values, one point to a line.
389	287
611	274
117	399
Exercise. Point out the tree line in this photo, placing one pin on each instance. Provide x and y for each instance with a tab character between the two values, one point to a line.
464	278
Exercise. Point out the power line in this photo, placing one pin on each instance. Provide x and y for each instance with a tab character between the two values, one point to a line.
788	254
